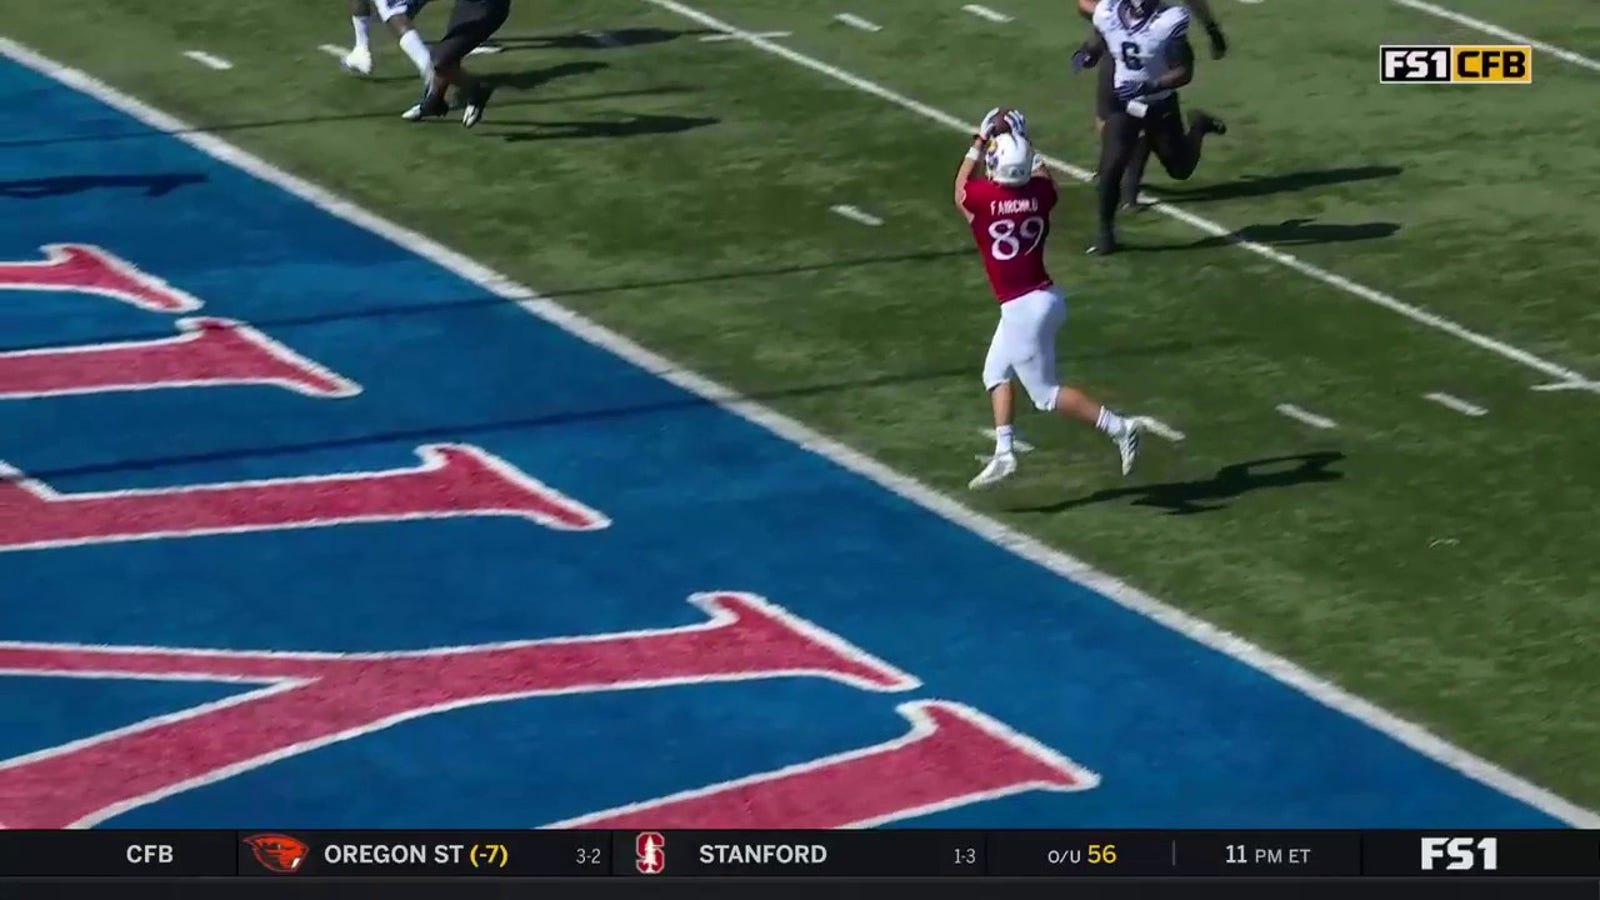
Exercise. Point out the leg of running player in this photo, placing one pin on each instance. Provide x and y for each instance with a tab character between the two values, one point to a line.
997	375
416	49
471	23
1179	150
1037	324
1117	144
359	59
1133	179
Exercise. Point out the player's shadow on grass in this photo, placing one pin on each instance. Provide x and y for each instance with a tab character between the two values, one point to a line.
219	127
597	39
1188	498
1289	233
1272	184
629	126
150	185
526	80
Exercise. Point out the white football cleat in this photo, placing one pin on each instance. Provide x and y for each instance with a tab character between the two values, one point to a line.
999	467
1128	444
357	62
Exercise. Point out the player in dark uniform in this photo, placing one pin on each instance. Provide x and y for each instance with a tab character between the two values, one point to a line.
471	23
1106	95
1151	57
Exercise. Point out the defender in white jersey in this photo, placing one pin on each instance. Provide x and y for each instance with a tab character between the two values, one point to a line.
1091	56
1148	43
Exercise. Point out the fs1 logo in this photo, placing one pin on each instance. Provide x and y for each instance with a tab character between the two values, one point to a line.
651	848
1464	853
1455	65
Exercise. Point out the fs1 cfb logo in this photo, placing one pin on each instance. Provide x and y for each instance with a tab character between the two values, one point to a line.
1464	854
651	849
1455	65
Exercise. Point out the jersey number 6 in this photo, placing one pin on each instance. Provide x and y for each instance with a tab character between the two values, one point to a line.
1130	56
1008	237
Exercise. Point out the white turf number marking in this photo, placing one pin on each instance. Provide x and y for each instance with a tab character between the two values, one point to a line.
1007	245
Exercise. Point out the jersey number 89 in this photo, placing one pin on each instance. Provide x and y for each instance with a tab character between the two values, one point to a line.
1007	237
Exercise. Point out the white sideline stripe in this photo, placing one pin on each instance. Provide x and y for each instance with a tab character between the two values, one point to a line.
332	50
487	50
984	12
1300	415
1569	386
1020	446
854	214
207	60
854	21
1410	734
604	38
1456	403
1161	429
715	38
1371	295
1434	9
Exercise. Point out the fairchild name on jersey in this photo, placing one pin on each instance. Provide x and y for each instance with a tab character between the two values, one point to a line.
1011	207
745	854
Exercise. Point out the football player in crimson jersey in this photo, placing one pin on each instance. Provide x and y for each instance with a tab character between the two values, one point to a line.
1009	211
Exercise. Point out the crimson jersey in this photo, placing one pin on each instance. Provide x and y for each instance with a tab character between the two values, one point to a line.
1010	225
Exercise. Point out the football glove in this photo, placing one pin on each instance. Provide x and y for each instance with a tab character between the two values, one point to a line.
1085	57
1132	90
1017	123
986	127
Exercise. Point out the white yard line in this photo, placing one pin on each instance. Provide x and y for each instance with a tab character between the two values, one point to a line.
1561	53
1207	226
855	21
333	50
984	12
1593	386
1161	429
209	61
857	215
1309	418
1068	567
1018	444
765	35
1456	403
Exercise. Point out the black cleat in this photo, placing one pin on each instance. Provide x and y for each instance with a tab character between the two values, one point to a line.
1210	124
1105	246
477	102
429	107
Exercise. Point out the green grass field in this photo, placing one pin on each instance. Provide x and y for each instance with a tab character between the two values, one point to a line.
679	190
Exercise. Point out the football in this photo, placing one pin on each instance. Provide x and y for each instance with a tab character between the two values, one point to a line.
1002	121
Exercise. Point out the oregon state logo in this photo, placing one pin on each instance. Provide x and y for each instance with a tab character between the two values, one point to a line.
278	852
651	848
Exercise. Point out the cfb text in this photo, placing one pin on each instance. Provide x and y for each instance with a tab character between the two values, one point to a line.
1445	64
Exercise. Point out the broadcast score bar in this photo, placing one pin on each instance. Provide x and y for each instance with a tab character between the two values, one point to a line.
788	854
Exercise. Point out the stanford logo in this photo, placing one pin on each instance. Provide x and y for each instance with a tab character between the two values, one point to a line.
651	848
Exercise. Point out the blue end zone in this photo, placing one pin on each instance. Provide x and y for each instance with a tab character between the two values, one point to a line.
701	499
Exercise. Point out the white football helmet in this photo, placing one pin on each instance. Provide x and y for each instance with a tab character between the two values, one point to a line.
1009	158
